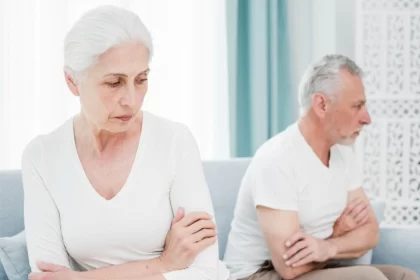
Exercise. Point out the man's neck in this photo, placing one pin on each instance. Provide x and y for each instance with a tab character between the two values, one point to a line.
315	135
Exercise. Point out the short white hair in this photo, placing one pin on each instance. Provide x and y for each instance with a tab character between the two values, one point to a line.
97	31
322	77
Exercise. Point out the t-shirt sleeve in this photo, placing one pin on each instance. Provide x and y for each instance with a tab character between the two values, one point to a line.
354	168
274	186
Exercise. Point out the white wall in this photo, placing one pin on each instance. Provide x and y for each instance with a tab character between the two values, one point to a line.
300	40
346	28
317	28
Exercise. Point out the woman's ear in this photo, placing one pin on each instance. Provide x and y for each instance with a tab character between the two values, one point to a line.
71	84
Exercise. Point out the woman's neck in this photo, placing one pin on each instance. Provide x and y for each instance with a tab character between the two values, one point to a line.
99	140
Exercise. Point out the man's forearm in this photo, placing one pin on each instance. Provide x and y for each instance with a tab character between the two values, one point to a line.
347	246
293	272
355	243
298	271
145	269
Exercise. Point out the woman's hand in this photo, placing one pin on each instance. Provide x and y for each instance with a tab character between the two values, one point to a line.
53	272
189	235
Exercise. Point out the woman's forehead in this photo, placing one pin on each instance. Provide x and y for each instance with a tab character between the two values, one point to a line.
124	75
125	52
123	61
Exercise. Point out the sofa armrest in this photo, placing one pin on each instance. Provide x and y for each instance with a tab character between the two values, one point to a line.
398	245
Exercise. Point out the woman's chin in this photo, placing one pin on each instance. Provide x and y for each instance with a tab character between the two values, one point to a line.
119	126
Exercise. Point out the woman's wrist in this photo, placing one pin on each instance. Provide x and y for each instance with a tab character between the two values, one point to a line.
336	231
80	275
141	268
163	263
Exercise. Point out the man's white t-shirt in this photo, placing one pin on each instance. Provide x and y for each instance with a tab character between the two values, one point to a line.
286	174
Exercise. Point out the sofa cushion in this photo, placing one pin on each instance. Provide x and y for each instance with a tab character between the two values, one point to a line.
11	203
11	207
2	272
399	245
224	179
14	257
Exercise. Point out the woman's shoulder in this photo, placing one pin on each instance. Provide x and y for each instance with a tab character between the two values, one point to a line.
39	145
169	135
162	125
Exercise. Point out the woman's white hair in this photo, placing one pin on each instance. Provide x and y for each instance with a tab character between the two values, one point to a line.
97	31
322	77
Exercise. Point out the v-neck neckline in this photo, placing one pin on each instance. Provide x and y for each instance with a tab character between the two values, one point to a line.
81	170
313	156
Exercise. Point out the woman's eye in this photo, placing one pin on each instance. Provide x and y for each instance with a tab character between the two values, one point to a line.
141	81
115	84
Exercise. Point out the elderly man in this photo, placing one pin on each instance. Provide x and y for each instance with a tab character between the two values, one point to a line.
301	207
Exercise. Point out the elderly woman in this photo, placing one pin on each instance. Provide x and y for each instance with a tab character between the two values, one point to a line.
116	192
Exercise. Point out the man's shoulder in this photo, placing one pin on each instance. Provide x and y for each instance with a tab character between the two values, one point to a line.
279	150
281	143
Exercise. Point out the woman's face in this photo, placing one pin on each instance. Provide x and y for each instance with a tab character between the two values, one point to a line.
113	90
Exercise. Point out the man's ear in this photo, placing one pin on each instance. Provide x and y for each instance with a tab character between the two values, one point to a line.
71	84
319	104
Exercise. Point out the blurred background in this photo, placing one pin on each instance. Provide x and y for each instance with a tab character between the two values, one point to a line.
229	69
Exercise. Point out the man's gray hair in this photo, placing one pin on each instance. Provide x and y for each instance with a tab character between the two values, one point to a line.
97	31
322	77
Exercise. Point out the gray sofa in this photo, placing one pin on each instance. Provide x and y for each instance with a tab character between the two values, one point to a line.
398	245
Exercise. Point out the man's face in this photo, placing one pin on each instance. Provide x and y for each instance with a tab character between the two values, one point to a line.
347	114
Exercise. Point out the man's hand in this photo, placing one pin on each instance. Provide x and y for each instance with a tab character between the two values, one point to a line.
355	215
304	249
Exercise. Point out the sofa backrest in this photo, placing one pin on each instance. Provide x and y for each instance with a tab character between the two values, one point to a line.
11	203
223	178
11	207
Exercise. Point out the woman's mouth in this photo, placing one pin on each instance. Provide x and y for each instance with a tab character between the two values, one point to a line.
124	118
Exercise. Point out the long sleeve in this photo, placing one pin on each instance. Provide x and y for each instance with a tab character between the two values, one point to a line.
42	220
190	191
